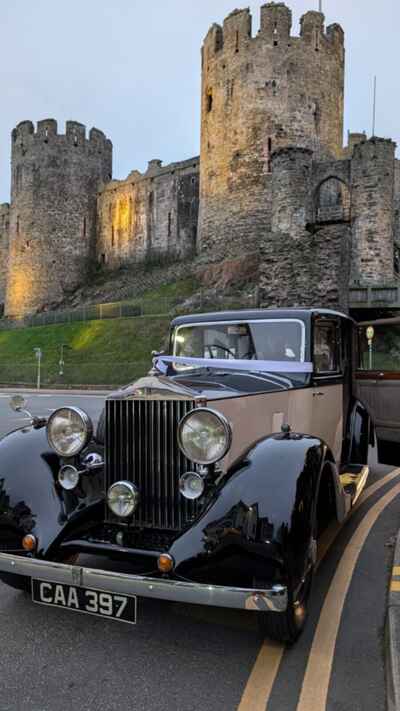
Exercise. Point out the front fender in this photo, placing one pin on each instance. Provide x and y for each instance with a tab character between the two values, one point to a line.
31	500
264	507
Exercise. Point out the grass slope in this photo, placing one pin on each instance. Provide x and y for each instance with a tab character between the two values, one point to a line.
109	352
98	352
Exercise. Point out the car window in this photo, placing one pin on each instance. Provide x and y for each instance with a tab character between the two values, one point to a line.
382	351
273	340
326	347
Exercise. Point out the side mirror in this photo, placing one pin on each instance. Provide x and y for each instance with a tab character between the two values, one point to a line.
17	403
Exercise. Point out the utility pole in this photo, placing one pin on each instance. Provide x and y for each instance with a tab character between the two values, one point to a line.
320	5
374	110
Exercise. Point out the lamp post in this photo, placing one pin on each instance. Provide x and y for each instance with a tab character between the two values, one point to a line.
370	337
38	352
61	362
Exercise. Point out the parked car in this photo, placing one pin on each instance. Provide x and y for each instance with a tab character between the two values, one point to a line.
214	477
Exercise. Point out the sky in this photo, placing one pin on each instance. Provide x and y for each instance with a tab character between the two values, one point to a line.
132	69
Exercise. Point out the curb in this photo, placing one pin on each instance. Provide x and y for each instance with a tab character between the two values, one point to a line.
45	391
392	635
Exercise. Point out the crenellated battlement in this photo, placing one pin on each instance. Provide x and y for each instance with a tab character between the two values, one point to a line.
275	30
47	132
276	22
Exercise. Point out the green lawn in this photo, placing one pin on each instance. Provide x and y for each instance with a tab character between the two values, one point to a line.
109	352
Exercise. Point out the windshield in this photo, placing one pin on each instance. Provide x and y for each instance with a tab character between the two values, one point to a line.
274	340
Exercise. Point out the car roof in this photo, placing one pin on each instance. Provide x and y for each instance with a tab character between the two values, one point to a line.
257	314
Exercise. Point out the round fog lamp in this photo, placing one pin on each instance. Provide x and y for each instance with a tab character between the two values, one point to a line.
191	485
123	499
68	477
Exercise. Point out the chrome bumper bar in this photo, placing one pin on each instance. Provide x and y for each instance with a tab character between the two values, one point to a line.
274	599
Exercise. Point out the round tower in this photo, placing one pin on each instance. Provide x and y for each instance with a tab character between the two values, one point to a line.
372	191
259	94
291	190
54	183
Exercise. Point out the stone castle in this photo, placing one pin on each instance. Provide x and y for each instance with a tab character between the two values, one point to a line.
273	180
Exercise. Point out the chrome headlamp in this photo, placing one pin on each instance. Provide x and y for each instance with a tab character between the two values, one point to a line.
68	477
204	436
123	498
69	430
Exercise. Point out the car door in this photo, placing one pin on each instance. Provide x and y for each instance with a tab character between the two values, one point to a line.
328	382
377	383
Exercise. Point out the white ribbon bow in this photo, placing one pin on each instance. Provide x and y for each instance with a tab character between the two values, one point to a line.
255	366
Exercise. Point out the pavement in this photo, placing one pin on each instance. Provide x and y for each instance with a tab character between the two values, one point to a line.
189	658
392	646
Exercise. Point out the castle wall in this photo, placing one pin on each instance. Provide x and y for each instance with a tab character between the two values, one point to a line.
55	179
309	272
258	94
4	243
149	215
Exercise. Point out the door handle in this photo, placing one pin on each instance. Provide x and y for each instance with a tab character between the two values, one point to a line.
318	394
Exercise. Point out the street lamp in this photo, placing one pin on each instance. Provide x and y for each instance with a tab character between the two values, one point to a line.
38	352
61	362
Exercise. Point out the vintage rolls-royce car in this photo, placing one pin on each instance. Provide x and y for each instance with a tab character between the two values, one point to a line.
213	478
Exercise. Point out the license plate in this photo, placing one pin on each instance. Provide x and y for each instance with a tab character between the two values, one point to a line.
92	602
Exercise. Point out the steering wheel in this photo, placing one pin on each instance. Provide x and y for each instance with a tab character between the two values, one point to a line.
222	348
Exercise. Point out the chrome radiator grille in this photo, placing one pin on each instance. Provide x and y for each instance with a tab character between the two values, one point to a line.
141	446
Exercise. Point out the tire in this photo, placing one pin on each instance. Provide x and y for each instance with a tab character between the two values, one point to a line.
286	627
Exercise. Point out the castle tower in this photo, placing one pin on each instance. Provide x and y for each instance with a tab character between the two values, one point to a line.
4	245
372	190
55	180
259	94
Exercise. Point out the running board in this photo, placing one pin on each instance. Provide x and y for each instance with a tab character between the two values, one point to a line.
354	479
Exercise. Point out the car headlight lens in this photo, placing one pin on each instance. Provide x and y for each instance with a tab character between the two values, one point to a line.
68	477
191	486
69	430
204	436
123	498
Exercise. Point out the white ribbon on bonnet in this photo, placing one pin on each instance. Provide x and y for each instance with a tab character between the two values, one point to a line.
161	362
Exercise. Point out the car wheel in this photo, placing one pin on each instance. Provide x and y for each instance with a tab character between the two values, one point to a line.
286	627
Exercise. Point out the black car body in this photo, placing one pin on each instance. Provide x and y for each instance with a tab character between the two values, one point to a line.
214	477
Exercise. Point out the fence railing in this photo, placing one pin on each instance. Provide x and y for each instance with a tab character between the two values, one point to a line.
162	306
375	295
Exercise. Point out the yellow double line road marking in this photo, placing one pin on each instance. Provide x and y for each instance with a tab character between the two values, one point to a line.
395	582
318	673
316	681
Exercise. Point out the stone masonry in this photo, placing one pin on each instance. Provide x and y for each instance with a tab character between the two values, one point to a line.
332	225
53	215
273	193
258	94
149	215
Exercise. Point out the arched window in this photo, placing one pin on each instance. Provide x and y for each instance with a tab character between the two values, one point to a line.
332	201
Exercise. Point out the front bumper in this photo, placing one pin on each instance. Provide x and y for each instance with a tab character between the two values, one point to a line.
275	599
